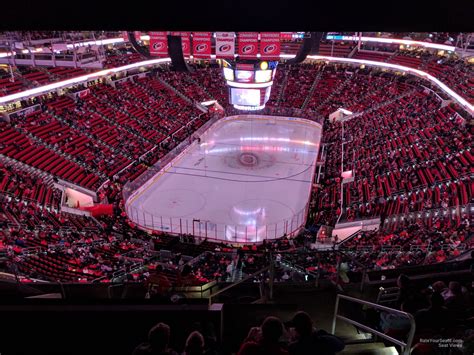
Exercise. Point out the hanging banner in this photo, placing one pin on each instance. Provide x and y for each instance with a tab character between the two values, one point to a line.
186	43
125	36
138	35
225	45
248	44
270	45
158	44
286	36
202	45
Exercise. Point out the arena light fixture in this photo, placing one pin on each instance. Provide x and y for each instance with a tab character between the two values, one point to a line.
406	42
339	38
78	80
463	102
100	42
7	54
208	103
84	78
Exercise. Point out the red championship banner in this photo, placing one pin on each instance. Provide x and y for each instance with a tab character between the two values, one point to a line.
248	44
186	43
225	45
270	45
158	44
202	45
125	36
138	35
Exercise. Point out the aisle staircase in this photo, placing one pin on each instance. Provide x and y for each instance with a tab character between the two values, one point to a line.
369	340
336	91
281	93
311	90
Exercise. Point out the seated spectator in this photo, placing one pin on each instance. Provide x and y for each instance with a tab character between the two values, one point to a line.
158	284
440	287
311	341
435	317
455	300
194	344
158	342
186	277
412	299
265	341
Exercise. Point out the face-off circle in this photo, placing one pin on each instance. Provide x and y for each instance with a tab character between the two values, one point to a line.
248	159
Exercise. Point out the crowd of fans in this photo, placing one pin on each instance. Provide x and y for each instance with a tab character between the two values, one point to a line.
428	166
431	241
440	311
118	131
297	336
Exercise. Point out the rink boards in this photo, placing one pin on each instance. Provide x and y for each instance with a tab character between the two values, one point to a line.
248	179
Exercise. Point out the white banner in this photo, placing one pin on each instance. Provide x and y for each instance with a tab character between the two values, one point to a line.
225	44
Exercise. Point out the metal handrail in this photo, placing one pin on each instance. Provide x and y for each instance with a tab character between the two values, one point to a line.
408	214
406	346
467	206
238	283
388	292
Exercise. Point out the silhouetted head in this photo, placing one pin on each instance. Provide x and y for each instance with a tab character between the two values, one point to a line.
403	281
272	329
439	286
159	337
302	323
455	288
436	300
194	343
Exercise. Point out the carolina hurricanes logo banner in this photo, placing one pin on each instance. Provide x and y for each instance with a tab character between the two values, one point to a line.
248	44
185	42
270	45
202	45
158	44
225	45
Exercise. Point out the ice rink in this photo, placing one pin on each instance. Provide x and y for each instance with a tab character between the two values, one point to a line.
248	179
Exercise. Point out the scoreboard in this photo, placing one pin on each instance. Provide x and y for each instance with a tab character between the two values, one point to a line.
249	82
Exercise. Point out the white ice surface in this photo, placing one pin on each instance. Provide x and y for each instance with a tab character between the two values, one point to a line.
247	180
